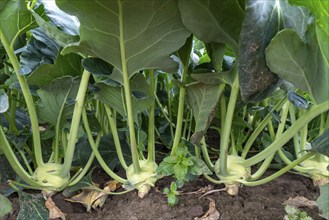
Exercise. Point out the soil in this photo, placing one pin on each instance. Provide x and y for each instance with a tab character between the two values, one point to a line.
262	202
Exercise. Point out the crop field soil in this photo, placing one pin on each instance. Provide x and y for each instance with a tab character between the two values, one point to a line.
164	109
261	202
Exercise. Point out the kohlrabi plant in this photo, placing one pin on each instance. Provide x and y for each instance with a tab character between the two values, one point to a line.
52	87
251	36
131	36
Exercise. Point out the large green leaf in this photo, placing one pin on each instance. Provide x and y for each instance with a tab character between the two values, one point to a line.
323	201
15	19
321	11
65	22
85	183
40	49
31	207
4	102
213	21
304	60
300	63
57	100
262	21
67	65
321	143
114	96
128	34
5	206
68	32
203	99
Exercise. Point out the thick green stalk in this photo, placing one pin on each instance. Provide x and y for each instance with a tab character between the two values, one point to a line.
326	126
189	131
223	110
72	139
165	113
180	117
303	139
112	121
296	141
288	134
12	159
280	172
12	123
262	169
205	154
186	121
322	123
58	133
12	111
28	99
226	131
284	114
287	161
96	152
184	56
126	83
260	128
26	162
267	161
88	164
233	146
169	107
212	179
64	140
151	135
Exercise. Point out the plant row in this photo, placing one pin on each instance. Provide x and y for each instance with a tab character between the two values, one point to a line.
108	82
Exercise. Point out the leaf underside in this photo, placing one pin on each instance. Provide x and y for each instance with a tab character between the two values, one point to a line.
132	34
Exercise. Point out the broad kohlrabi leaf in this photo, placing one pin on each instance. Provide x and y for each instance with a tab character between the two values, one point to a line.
65	22
203	99
4	102
130	35
321	144
32	207
262	21
85	183
215	78
40	50
2	4
67	65
97	67
6	172
323	201
22	120
61	36
114	98
321	11
304	60
106	149
57	100
15	19
213	21
297	100
5	206
300	63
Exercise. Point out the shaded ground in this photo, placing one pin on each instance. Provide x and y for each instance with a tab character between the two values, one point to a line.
262	202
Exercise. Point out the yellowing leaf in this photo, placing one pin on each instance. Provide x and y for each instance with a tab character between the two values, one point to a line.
300	201
91	198
54	211
212	213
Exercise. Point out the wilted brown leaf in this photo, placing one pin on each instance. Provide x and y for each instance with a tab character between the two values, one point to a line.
54	211
94	198
212	213
300	201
